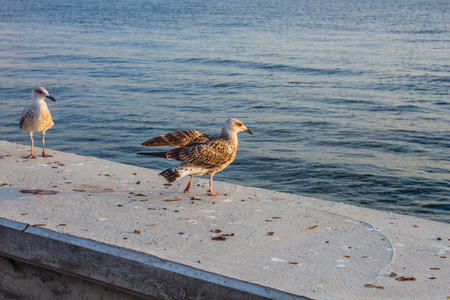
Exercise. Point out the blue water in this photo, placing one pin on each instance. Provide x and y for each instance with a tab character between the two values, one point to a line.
349	99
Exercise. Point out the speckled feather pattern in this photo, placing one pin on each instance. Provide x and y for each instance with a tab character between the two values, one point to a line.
215	154
202	153
178	138
36	118
198	149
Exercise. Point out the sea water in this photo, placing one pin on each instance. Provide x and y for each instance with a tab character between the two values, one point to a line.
348	99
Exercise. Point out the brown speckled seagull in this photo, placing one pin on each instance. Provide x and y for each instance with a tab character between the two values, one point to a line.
37	118
200	154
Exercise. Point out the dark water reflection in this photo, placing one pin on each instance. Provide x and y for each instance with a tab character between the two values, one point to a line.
349	100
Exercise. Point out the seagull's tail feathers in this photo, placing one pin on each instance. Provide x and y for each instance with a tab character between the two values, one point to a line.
180	171
172	174
173	154
156	154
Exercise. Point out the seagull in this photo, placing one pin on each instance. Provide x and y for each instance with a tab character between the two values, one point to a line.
200	154
37	118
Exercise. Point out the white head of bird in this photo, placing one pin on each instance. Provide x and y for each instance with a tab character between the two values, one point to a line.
40	93
233	126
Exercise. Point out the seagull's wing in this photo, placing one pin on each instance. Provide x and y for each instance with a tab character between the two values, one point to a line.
26	114
21	122
207	155
177	139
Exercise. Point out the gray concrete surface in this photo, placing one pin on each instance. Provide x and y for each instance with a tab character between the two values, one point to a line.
123	227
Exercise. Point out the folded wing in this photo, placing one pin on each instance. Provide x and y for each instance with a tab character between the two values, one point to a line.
208	155
178	139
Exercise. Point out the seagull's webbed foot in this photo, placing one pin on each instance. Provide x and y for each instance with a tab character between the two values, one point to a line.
215	194
30	157
46	155
211	192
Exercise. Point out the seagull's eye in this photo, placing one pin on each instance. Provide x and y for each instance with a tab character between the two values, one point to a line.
239	124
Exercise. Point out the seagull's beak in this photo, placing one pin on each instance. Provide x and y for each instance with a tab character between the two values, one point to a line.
249	131
51	98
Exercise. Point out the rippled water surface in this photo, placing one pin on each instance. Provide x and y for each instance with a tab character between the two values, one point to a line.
349	99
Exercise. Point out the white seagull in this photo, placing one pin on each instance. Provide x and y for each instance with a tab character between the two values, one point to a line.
37	117
200	154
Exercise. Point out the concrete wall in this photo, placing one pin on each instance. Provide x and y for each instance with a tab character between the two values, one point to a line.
21	280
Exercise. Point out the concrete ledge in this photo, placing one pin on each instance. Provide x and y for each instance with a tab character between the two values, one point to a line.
116	229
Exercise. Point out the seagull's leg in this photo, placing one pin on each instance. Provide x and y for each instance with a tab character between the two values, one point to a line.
43	146
32	153
188	187
211	188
